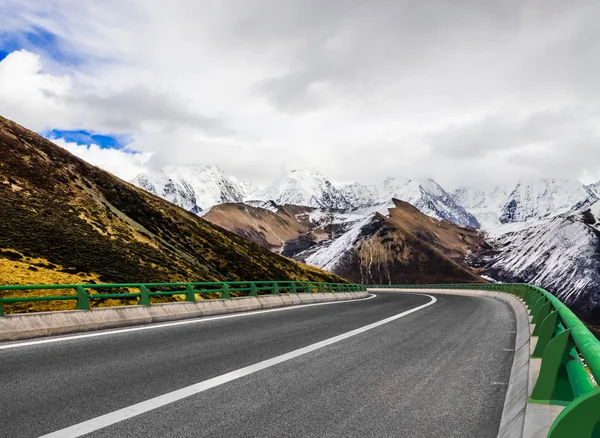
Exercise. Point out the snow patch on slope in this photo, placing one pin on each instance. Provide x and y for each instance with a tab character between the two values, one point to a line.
329	255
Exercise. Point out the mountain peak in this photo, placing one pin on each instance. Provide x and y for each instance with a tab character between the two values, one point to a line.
302	187
195	187
430	198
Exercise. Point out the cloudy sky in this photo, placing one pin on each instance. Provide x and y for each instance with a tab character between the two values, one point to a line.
463	91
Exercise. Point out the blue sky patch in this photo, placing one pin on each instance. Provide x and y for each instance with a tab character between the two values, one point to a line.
40	41
83	137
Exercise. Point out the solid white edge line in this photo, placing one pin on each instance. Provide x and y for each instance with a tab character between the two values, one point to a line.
111	418
171	324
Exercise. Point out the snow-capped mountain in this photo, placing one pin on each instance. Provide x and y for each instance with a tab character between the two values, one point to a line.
301	187
430	198
360	195
194	188
561	254
399	244
595	188
528	200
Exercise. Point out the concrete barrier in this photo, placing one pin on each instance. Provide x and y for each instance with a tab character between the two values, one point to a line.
33	325
512	423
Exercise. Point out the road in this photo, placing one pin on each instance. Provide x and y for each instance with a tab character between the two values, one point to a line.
438	371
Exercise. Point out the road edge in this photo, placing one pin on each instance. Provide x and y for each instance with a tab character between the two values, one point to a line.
512	423
19	327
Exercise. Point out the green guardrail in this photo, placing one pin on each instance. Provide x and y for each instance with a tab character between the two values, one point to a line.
570	353
82	294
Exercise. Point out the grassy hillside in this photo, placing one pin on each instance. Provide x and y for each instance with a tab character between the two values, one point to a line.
62	219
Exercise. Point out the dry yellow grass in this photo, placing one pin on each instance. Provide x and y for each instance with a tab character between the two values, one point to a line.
32	271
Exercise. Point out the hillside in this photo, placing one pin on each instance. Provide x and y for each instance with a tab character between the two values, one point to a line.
392	244
560	254
62	219
275	230
406	247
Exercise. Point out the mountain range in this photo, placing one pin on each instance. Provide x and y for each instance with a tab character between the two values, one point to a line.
536	231
63	220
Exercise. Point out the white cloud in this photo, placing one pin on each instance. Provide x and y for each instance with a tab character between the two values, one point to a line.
125	165
354	90
31	97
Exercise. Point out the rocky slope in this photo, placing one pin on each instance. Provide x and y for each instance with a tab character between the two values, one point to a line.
60	215
561	254
405	246
194	188
285	230
388	243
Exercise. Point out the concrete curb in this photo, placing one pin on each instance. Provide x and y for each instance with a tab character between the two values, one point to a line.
515	405
32	325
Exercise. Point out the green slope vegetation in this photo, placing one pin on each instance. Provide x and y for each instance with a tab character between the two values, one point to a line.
62	219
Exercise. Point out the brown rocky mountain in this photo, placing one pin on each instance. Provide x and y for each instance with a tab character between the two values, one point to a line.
282	231
410	247
63	220
404	247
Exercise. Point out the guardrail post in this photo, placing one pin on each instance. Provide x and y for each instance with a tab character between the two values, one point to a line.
293	288
320	287
275	289
307	286
553	381
253	290
190	294
545	333
537	307
144	296
1	310
225	295
579	418
82	299
539	318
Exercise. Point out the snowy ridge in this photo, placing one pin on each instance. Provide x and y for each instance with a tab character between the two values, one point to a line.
430	198
595	188
559	253
194	188
360	195
301	187
528	200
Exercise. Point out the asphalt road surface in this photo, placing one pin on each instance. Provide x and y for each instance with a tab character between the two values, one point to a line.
396	365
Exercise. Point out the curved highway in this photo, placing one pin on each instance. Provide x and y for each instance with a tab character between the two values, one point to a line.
396	365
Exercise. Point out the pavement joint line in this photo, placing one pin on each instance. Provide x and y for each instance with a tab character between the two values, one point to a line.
117	416
508	349
500	383
171	324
